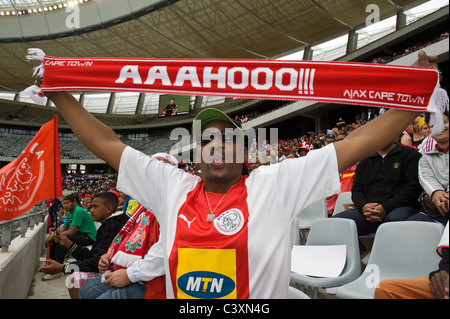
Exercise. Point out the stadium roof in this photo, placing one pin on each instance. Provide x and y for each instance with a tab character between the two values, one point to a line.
174	29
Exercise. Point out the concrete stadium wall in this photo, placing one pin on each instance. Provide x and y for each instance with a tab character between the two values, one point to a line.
18	265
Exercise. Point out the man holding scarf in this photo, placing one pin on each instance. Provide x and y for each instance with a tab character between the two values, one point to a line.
214	230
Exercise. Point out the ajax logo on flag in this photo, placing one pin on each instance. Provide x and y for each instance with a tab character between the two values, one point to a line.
205	284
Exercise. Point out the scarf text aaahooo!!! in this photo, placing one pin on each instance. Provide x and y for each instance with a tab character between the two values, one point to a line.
402	87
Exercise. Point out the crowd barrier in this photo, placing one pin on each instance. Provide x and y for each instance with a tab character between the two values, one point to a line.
22	240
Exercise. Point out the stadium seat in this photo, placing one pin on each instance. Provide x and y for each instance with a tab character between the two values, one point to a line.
343	198
313	212
333	231
401	250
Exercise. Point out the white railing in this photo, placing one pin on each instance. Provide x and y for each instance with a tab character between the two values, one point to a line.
10	229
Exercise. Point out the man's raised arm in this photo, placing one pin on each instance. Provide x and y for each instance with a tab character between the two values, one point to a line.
95	135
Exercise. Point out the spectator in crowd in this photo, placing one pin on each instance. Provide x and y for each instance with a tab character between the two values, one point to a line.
341	136
406	139
244	118
423	127
61	216
188	167
331	138
368	114
260	158
259	265
304	148
89	183
87	201
428	142
104	205
433	287
408	50
291	155
129	204
385	189
415	133
133	265
433	176
78	227
53	210
284	153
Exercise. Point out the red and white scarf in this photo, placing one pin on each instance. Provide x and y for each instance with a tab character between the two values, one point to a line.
132	243
374	85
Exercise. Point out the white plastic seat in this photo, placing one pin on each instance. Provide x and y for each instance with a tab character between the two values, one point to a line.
311	213
343	198
401	250
333	231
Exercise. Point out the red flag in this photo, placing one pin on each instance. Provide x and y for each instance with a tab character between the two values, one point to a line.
34	176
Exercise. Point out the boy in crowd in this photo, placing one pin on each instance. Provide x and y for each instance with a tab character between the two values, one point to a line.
102	208
78	227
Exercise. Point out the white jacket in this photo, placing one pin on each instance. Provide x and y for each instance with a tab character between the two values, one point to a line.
433	171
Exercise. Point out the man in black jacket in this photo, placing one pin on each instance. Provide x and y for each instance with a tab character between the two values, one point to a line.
385	188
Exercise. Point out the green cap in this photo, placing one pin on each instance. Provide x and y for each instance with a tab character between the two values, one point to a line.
211	114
